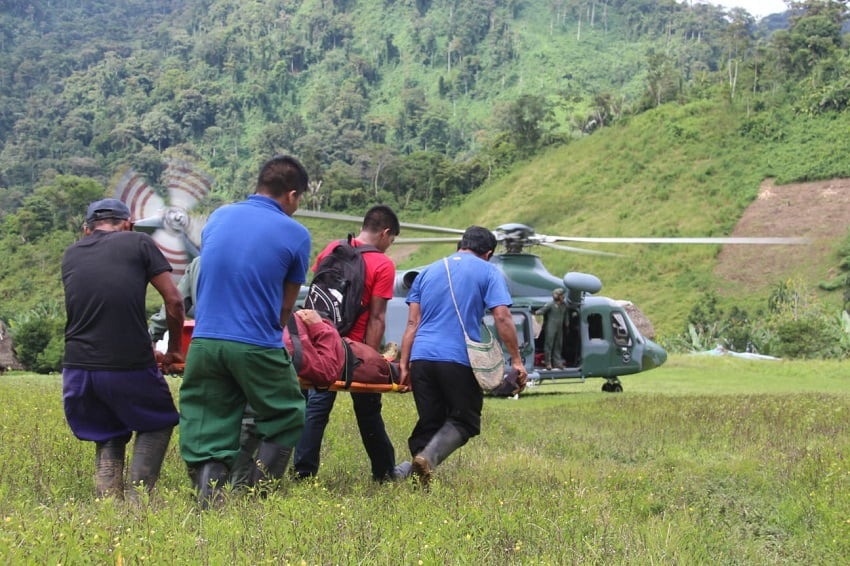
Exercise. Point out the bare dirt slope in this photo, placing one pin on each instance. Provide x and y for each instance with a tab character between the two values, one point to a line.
819	211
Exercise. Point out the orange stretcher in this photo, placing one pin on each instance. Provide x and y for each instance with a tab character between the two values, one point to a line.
354	386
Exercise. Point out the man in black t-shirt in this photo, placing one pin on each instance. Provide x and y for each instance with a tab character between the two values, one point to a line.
112	385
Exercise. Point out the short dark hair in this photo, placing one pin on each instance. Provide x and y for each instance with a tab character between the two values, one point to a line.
281	174
103	222
478	240
379	218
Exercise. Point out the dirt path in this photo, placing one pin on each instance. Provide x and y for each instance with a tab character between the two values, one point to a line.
819	211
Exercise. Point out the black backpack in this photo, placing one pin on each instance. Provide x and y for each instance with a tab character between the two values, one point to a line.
336	290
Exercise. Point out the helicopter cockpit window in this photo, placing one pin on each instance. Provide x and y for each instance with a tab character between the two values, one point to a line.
620	330
594	327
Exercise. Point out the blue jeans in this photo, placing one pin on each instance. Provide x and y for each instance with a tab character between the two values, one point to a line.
367	409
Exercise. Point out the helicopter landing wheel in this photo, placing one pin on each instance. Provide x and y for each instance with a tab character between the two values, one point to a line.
612	387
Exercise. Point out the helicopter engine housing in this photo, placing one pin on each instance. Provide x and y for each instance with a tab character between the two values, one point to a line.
578	284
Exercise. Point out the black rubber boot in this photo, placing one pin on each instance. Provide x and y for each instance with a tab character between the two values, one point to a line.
148	454
270	462
109	468
211	477
447	440
240	473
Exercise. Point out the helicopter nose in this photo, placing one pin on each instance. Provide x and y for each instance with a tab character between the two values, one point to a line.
653	356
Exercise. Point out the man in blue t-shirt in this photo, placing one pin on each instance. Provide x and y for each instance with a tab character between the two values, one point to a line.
255	260
434	360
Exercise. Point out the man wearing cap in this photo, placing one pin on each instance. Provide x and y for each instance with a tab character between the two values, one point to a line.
111	383
554	313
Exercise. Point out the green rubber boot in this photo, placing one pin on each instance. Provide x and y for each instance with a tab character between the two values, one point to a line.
109	468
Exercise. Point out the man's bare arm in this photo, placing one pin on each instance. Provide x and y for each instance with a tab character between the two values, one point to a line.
507	332
377	322
174	315
414	315
290	295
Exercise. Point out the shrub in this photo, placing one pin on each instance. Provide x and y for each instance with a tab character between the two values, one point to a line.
796	325
808	338
801	327
39	337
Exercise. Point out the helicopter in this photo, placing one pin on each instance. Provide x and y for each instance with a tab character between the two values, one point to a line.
601	340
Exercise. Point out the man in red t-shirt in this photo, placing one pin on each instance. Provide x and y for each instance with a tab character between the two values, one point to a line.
380	228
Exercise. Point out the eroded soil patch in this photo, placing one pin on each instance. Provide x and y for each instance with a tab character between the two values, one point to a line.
819	211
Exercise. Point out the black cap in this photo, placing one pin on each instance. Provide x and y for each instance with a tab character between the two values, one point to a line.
107	208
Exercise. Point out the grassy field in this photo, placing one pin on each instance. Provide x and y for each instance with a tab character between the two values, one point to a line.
705	460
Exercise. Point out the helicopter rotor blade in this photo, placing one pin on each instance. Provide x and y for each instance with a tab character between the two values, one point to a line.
148	225
133	190
577	250
526	237
191	248
446	240
173	247
186	184
359	220
684	240
327	215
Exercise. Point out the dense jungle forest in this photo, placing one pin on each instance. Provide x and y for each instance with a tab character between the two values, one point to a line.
413	103
410	102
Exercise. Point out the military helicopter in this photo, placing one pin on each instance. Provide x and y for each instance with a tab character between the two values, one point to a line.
600	340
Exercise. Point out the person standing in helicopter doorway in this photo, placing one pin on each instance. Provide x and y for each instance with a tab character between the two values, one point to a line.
554	313
111	384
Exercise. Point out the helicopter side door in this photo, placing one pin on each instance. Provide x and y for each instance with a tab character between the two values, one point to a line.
608	343
522	319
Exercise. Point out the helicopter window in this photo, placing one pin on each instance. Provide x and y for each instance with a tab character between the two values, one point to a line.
594	327
522	331
621	331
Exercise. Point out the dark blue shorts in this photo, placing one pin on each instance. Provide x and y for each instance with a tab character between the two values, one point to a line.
101	405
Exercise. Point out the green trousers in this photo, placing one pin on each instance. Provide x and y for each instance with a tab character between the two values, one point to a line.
220	378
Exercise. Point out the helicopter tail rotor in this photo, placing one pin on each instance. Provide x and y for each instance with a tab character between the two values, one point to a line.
171	225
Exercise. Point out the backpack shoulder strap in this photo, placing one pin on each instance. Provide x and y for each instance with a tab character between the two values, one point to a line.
362	248
297	351
351	362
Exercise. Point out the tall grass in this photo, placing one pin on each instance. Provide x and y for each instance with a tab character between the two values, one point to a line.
706	459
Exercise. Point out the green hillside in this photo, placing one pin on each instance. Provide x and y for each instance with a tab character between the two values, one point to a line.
675	171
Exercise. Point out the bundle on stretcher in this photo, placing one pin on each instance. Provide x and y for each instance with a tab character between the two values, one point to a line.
324	360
